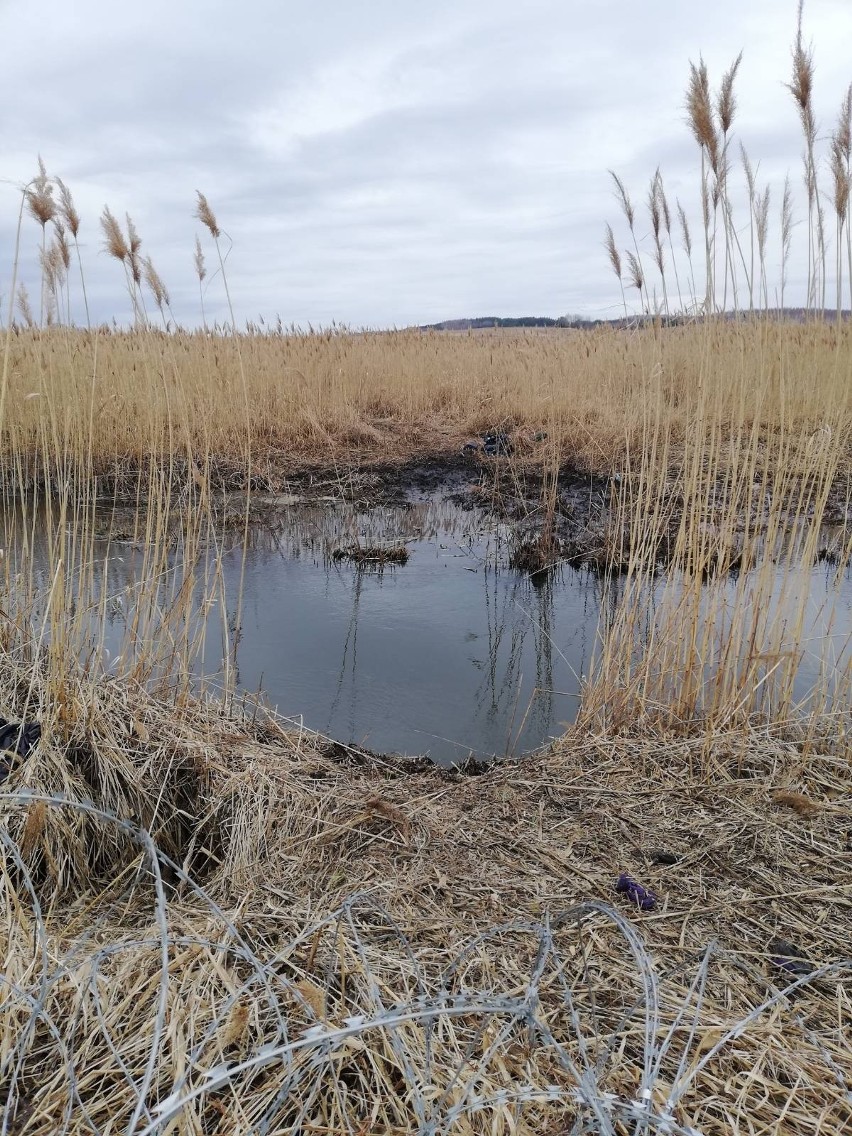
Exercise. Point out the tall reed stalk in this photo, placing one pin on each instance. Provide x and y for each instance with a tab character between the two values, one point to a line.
711	119
206	216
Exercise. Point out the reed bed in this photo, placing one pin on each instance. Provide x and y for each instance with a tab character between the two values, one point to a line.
749	504
107	403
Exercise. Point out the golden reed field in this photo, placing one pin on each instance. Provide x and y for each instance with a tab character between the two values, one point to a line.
116	398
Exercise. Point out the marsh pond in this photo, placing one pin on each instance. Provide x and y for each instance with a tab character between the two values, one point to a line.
397	627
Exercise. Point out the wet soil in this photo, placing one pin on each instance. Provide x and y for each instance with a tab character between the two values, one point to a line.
570	523
509	490
573	525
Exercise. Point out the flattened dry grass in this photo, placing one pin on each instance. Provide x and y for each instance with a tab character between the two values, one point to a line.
324	946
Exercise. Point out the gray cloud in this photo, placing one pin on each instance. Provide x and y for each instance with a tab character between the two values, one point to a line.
391	163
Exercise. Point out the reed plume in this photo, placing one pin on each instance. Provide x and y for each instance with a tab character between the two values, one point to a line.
637	279
206	216
612	251
157	288
24	308
801	88
711	116
726	106
114	241
63	254
134	264
841	173
751	183
42	208
656	215
699	106
626	204
71	220
200	269
54	274
684	230
61	242
615	260
686	240
67	209
39	196
667	225
623	198
134	243
200	272
761	214
843	133
119	247
840	178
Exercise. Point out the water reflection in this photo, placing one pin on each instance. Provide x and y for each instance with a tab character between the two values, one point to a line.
449	655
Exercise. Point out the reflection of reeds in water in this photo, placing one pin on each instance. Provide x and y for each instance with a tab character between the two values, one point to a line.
520	622
349	657
321	530
67	580
162	599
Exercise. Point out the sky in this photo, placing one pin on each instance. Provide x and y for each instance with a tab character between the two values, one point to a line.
388	162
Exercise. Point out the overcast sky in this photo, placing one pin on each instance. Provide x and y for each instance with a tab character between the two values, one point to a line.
386	162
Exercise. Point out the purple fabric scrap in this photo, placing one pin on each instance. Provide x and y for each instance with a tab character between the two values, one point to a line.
636	893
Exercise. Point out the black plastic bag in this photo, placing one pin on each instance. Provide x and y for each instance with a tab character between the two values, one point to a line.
17	740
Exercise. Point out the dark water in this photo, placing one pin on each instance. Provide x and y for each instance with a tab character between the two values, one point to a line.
451	654
431	659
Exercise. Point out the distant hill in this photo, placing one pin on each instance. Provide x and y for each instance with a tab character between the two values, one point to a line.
500	321
797	315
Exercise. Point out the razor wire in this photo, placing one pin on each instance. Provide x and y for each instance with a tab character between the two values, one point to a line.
303	1057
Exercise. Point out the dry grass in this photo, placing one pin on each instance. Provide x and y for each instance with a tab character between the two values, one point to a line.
752	500
233	984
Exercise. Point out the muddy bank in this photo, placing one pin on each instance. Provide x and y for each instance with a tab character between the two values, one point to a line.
502	487
569	519
572	518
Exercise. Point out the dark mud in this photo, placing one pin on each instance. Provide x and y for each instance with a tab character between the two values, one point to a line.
511	491
572	523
